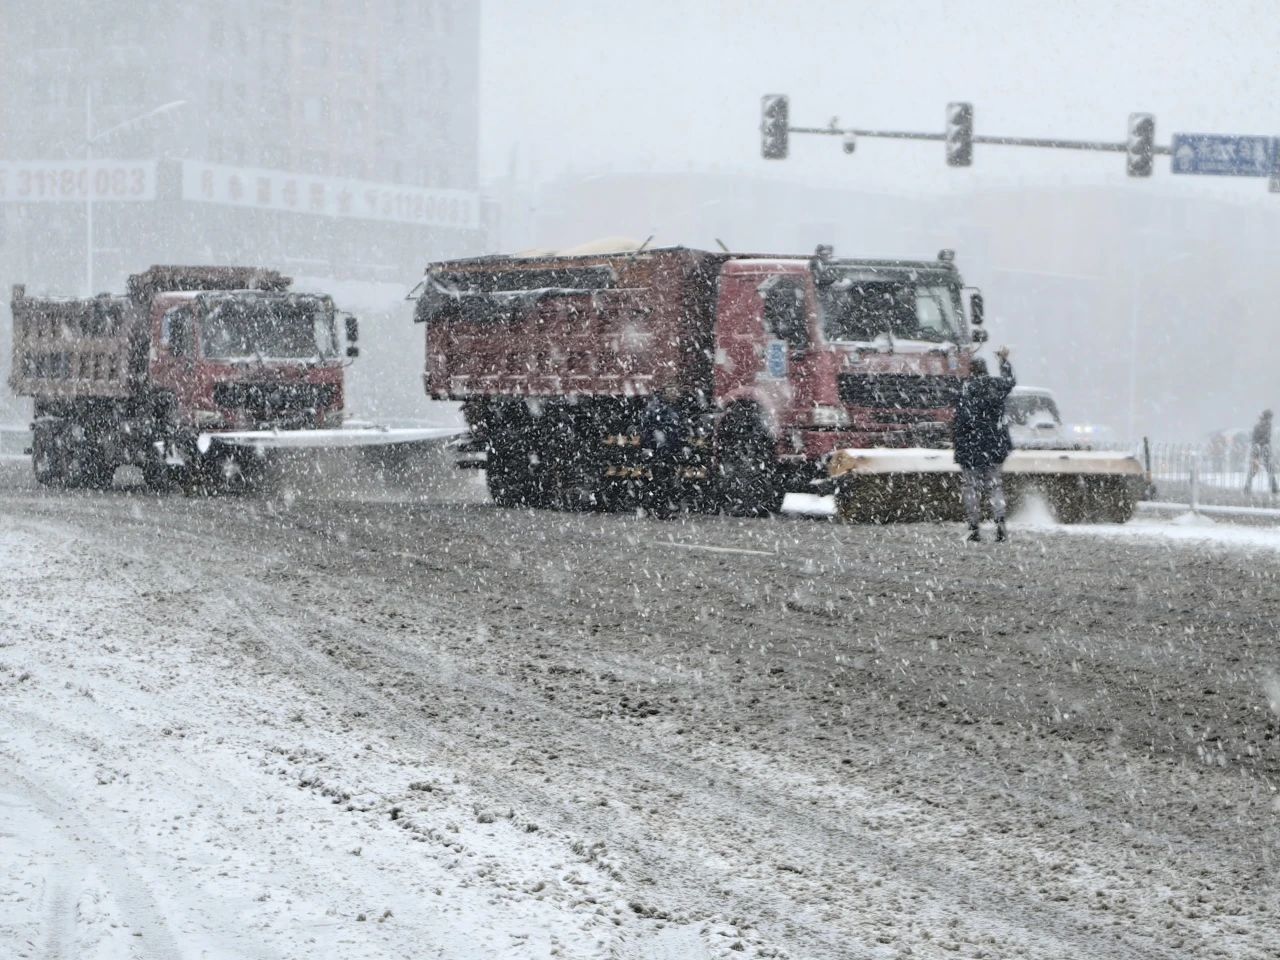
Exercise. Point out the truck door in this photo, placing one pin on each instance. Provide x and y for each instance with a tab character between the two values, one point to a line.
763	337
173	358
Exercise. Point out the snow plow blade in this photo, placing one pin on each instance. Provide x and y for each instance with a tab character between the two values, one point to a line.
327	439
876	485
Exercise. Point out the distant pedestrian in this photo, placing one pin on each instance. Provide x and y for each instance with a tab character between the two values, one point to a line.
1260	453
664	438
982	442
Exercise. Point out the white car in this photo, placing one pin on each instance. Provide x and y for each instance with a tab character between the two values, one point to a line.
1034	421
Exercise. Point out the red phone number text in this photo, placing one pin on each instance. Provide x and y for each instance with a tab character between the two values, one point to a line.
72	183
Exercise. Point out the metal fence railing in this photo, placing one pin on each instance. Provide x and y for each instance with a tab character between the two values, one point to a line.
1209	473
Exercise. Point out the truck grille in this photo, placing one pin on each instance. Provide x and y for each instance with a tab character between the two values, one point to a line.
900	391
267	401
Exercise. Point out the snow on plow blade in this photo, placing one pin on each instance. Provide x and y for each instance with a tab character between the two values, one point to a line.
886	485
328	439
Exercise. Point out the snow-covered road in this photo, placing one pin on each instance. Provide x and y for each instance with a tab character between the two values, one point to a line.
304	728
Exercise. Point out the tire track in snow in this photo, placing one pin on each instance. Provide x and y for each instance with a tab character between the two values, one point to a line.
807	838
138	909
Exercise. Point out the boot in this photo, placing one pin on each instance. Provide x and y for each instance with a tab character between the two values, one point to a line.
975	536
1001	534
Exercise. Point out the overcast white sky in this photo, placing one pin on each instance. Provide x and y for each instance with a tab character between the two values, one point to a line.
675	85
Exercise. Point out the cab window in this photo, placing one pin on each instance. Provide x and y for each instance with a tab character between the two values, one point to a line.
785	316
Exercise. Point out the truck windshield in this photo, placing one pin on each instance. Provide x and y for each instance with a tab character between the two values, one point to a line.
293	328
855	309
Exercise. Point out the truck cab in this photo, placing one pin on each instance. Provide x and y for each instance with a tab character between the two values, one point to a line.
247	359
842	353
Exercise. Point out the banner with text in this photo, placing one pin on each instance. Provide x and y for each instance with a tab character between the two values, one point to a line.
328	196
112	181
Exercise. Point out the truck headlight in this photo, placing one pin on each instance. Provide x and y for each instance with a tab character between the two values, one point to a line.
828	416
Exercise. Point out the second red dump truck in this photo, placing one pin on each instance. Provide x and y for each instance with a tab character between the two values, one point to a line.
778	361
793	372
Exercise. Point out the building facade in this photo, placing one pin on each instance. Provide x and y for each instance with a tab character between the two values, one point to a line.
336	142
331	139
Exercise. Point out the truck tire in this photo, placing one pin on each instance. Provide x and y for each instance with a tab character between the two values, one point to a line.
87	467
48	457
853	503
747	477
158	476
233	470
507	475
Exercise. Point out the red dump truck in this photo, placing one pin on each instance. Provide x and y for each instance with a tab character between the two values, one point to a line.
160	377
778	362
795	373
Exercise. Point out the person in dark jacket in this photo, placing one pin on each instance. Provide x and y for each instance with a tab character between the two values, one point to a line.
982	442
664	438
1260	452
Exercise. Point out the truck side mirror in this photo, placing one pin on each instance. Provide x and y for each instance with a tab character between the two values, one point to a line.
353	334
785	316
979	336
976	309
180	338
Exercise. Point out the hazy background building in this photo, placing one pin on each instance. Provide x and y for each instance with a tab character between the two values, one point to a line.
305	135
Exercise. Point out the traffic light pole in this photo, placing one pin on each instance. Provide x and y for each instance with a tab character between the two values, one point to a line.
958	136
1049	143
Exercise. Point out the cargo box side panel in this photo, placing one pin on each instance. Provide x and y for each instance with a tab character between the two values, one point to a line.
72	349
599	326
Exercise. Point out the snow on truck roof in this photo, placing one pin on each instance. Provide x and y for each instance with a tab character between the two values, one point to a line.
621	247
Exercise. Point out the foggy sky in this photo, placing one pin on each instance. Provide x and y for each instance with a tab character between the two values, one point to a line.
676	85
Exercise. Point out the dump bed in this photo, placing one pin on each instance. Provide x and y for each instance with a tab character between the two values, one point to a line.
71	349
618	324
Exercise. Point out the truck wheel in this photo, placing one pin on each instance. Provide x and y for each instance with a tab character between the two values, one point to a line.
747	480
578	487
88	468
158	476
48	457
853	505
507	477
232	470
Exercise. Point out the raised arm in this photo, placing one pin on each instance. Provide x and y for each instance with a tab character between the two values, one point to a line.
1007	380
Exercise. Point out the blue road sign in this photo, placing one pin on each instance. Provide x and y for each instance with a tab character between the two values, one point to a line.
1208	153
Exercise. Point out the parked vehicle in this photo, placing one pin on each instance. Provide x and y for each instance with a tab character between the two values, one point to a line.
1034	421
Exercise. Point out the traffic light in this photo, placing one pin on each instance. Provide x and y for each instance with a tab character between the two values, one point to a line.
773	126
1141	144
959	134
